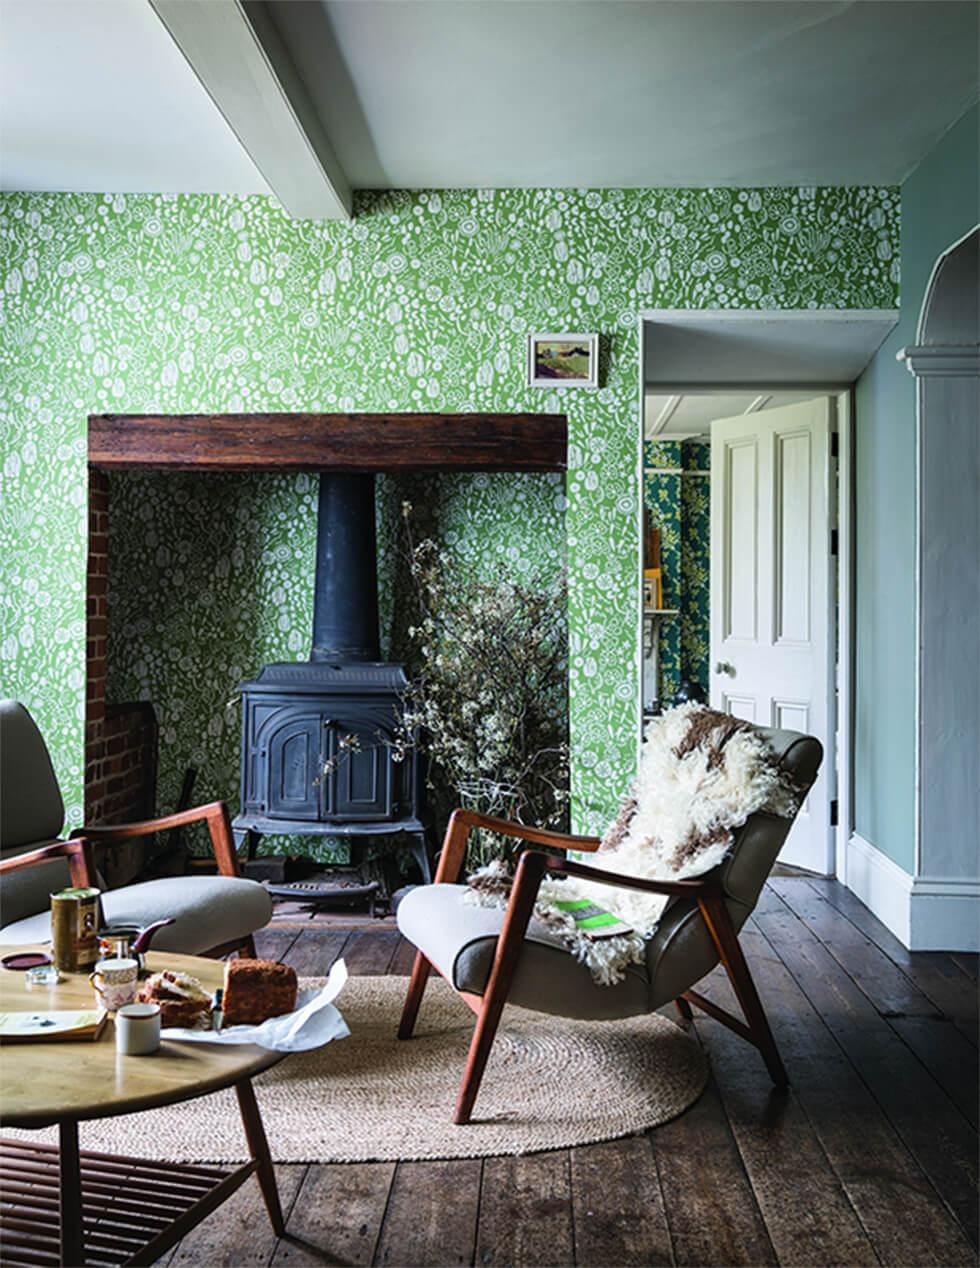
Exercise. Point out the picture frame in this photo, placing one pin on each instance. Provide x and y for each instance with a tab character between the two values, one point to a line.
567	360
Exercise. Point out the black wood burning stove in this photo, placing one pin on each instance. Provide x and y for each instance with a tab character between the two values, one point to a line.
318	737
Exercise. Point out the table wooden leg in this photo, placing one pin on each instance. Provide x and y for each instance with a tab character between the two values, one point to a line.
259	1149
70	1195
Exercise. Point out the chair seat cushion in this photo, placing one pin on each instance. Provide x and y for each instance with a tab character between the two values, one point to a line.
209	911
460	939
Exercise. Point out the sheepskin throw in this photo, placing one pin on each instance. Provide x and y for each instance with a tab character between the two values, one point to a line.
701	775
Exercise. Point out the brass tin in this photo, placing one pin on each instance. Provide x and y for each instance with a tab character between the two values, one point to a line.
74	922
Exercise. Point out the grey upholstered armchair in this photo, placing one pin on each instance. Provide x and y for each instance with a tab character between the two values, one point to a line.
213	915
492	956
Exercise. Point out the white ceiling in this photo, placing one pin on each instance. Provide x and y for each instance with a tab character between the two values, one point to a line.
613	93
682	416
95	96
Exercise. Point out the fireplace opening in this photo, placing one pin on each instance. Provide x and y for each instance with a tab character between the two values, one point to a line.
207	535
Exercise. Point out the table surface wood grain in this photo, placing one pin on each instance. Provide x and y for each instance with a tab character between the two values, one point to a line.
49	1081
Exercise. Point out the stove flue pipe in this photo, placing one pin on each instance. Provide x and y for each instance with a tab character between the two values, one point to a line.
345	603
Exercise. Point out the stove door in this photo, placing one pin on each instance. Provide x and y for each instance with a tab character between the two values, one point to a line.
295	766
360	785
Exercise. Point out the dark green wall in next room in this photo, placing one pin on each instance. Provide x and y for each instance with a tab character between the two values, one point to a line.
676	490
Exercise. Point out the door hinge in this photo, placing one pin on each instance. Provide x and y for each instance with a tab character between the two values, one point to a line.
833	541
833	813
835	444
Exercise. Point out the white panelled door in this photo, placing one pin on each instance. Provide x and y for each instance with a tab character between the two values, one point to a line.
772	590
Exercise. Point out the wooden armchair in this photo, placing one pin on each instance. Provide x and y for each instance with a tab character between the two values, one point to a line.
491	957
213	915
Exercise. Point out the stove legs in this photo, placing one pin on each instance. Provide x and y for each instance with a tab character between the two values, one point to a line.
420	853
248	838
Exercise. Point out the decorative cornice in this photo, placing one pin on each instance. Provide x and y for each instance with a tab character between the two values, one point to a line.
959	360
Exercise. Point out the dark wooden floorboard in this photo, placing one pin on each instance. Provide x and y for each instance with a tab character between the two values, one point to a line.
315	950
432	1215
969	963
274	944
933	1129
710	1207
898	1207
869	1158
337	1215
368	952
618	1211
403	959
941	1045
808	1215
936	975
526	1211
239	1232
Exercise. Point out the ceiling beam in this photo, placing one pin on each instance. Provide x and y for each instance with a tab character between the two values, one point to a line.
667	412
234	49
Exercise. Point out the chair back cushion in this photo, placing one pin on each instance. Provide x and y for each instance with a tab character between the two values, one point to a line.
31	808
31	813
759	840
682	952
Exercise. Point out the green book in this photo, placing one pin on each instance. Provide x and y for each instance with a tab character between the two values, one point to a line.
592	920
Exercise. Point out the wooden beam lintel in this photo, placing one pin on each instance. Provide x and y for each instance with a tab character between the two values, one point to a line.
336	442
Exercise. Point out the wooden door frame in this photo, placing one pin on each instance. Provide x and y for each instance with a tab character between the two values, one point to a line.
843	629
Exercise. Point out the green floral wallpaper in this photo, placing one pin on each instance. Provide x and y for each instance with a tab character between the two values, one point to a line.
695	561
423	301
676	490
210	577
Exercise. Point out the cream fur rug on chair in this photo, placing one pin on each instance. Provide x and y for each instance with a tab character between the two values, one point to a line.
701	774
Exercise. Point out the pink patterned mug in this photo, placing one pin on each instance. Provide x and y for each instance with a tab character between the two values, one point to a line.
115	982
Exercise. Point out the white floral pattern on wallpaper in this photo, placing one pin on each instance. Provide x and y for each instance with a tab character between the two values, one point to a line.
186	303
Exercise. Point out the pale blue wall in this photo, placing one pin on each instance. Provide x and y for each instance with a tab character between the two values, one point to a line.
940	203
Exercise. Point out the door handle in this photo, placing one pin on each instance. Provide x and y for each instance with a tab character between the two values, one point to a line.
725	667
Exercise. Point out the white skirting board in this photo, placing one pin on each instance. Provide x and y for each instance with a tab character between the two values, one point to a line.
925	913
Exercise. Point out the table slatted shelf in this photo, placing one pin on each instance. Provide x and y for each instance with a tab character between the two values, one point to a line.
133	1209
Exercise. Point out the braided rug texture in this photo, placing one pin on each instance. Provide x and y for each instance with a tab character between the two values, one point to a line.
549	1084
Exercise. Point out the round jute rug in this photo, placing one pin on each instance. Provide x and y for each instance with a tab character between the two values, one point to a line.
549	1084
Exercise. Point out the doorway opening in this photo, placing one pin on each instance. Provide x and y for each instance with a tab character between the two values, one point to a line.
745	439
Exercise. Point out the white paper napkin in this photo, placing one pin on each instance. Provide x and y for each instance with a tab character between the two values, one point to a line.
314	1022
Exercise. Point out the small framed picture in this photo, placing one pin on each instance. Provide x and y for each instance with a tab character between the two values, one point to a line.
563	360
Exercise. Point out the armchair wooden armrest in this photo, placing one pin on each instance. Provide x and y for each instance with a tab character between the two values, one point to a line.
215	813
78	851
462	822
570	868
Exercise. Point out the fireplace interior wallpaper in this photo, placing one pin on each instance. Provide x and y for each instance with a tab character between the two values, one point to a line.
423	302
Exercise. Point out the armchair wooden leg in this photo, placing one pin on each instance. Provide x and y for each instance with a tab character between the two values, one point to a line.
416	989
720	926
527	881
683	1007
484	1034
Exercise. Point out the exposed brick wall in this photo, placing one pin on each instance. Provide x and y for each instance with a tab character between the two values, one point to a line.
120	740
128	784
96	608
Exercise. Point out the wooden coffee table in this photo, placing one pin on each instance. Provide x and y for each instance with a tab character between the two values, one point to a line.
65	1205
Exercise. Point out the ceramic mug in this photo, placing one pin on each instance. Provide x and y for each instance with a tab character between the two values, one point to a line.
115	982
138	1029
